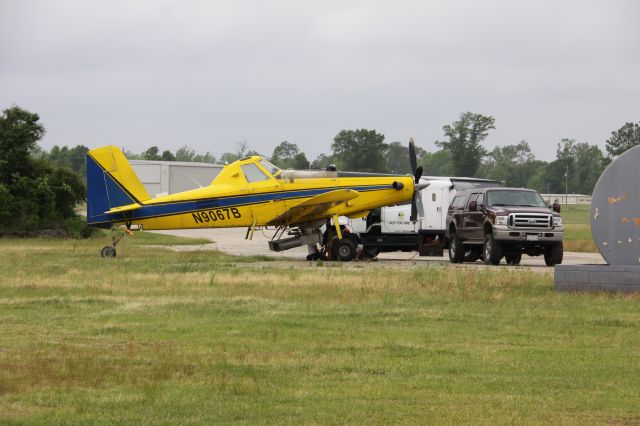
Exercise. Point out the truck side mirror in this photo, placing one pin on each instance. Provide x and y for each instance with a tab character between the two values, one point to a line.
473	206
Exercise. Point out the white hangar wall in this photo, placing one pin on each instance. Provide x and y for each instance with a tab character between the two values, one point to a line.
169	177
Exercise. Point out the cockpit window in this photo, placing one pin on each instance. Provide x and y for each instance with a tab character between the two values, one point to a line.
274	170
253	173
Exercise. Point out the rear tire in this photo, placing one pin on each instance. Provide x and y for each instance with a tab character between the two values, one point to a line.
553	254
472	253
513	259
492	250
370	252
456	249
344	250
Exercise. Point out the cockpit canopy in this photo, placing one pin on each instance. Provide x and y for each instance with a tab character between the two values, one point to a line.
259	170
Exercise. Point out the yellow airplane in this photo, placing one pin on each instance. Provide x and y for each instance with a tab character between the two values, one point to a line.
252	193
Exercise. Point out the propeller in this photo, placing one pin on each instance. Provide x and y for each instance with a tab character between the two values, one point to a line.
416	199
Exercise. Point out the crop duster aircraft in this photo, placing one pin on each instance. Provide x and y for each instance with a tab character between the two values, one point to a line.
252	193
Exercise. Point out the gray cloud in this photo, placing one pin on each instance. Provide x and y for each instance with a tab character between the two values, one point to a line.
209	74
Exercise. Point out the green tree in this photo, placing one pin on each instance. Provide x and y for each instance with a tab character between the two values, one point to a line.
20	132
322	161
513	164
360	150
464	138
167	156
184	153
72	158
589	165
438	163
205	158
229	157
622	139
34	194
397	156
288	156
152	154
582	163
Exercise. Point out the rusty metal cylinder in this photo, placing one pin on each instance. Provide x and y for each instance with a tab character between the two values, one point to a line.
615	210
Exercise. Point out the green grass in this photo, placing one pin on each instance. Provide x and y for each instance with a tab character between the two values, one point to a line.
155	336
151	238
577	228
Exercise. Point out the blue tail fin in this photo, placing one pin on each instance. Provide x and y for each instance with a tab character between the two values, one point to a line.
111	183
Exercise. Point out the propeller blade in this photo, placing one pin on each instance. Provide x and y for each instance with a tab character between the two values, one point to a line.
414	208
412	156
417	174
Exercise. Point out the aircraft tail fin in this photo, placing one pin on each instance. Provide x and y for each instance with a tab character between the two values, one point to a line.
111	183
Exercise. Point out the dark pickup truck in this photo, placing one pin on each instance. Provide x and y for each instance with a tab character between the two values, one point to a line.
490	223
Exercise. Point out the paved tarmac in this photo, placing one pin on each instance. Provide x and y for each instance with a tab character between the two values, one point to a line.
232	241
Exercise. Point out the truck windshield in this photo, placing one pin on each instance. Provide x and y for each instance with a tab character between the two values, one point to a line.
515	198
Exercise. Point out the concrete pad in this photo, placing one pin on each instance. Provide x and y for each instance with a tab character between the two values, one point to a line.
232	241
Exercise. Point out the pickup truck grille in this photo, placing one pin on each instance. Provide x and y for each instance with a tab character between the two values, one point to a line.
530	221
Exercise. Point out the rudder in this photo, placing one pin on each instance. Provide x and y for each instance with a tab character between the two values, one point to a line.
111	182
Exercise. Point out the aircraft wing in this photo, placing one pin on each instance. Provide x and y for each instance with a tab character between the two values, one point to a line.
314	206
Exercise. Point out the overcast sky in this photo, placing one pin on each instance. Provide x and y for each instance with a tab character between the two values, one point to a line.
211	73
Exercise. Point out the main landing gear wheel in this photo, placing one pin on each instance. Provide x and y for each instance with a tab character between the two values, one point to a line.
108	251
344	250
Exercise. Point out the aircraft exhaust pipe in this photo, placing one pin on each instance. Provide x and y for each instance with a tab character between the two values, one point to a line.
397	185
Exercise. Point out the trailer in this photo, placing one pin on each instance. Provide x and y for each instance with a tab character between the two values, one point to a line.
390	229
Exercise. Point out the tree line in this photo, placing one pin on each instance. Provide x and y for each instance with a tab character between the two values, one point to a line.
40	189
35	194
577	166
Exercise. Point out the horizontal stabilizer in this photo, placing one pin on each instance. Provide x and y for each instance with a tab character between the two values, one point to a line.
122	209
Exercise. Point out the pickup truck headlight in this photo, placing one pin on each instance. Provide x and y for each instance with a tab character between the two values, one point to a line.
501	220
557	221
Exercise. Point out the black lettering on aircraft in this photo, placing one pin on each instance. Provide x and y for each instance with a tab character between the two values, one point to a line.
216	215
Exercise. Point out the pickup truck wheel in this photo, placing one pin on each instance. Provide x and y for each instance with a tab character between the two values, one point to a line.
472	253
492	250
513	259
344	250
553	254
456	249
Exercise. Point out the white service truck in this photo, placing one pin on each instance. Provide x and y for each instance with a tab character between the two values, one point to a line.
391	229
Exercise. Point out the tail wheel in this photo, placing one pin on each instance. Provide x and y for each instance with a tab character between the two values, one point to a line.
108	251
456	250
344	250
553	254
492	250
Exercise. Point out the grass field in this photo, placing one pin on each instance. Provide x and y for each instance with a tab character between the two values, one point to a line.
577	224
160	337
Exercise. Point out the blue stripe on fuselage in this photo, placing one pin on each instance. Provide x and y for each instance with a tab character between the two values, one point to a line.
180	207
